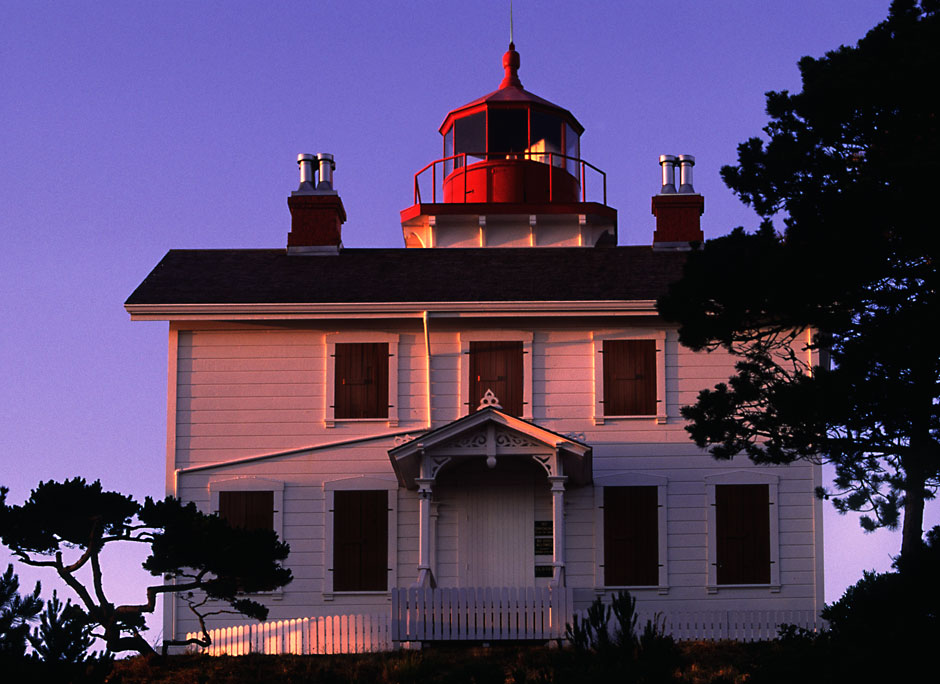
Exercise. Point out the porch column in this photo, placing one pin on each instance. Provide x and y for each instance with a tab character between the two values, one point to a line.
558	528
425	577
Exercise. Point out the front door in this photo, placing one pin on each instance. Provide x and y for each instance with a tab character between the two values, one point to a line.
495	530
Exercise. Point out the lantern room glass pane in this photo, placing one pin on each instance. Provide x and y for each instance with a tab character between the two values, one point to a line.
470	136
572	150
546	138
449	151
508	132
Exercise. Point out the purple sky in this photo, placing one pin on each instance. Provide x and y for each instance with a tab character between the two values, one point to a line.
127	129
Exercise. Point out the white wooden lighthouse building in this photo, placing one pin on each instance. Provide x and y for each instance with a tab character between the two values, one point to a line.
494	406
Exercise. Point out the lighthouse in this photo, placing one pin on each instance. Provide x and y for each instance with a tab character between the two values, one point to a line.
486	421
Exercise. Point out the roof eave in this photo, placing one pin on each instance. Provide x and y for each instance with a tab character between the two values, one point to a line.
274	310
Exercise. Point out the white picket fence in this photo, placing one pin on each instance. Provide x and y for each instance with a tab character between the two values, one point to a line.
304	636
481	614
477	615
715	625
740	625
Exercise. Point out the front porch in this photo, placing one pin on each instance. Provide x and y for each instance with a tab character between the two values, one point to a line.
491	500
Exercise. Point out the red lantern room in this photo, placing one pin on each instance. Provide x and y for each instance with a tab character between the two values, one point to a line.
511	175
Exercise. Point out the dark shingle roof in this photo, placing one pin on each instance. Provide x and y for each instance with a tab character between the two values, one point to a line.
259	276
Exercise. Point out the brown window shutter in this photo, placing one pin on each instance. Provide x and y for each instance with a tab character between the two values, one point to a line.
742	544
631	536
360	540
360	380
629	377
250	510
497	366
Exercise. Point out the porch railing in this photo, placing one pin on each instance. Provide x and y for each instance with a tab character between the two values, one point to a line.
482	614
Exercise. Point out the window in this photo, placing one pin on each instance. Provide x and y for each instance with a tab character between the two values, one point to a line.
251	510
631	536
250	502
572	150
505	354
629	376
361	377
630	523
360	540
508	132
497	366
743	530
742	538
470	136
545	137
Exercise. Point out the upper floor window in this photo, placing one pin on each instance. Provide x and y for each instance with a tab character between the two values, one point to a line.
361	377
629	376
361	380
497	360
497	366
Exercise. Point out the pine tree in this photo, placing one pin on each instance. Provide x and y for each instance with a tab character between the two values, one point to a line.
63	634
65	526
851	274
16	612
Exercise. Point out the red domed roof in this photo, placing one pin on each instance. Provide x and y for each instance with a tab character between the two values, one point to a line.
511	92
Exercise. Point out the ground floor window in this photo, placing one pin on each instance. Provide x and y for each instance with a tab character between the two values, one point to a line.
360	540
742	538
631	536
250	510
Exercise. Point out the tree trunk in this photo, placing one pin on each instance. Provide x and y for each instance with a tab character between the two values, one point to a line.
912	531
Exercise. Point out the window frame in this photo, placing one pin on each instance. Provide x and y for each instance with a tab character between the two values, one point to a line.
360	483
463	370
659	337
332	339
743	477
632	479
250	483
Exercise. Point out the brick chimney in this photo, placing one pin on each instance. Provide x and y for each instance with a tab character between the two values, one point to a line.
678	213
316	211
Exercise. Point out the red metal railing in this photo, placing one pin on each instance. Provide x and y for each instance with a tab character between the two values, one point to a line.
532	156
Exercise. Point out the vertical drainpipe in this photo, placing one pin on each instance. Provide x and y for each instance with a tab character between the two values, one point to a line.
171	595
427	354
